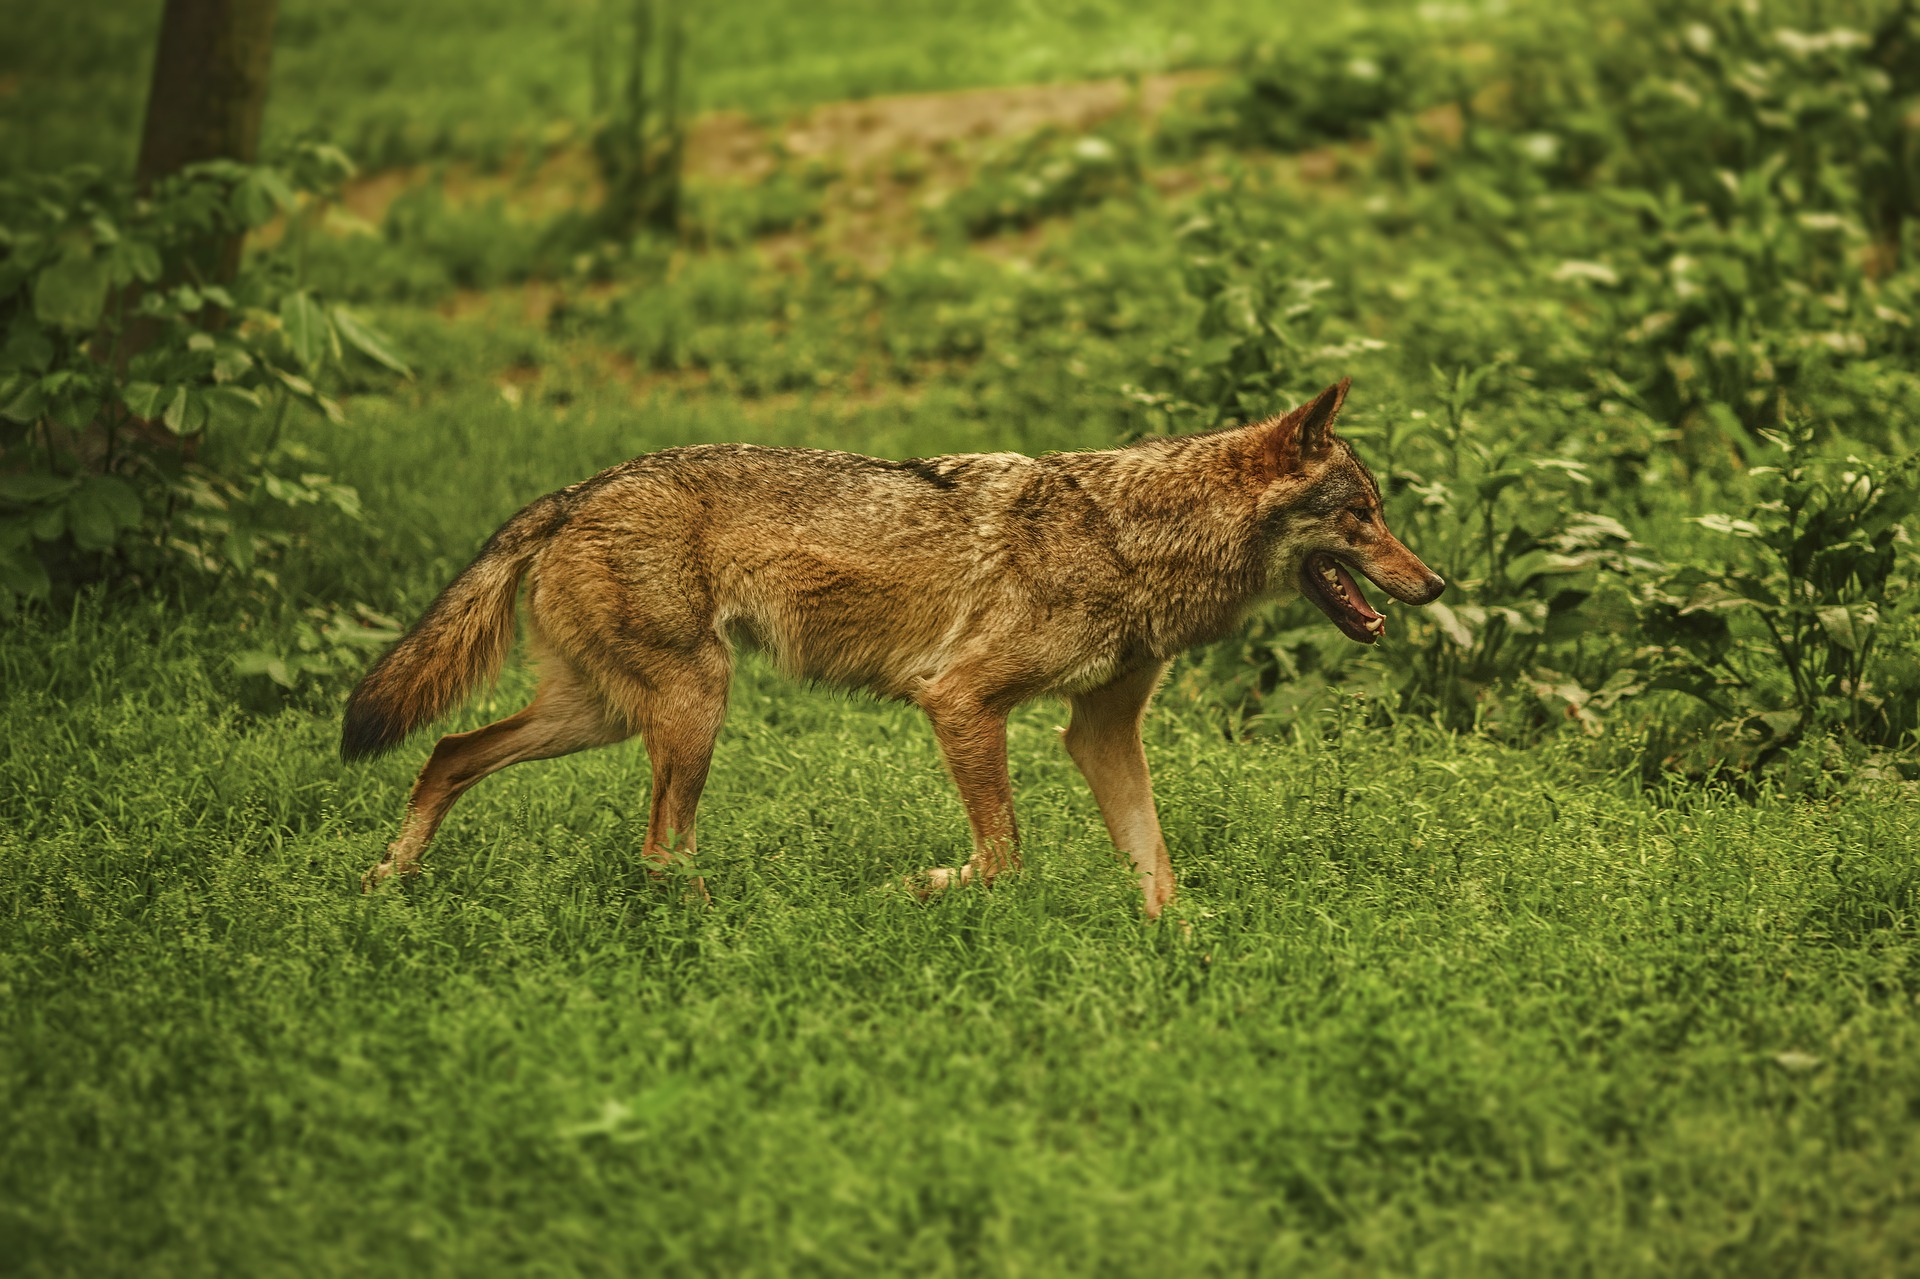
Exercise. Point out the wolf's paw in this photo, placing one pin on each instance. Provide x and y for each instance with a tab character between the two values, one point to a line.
924	884
384	870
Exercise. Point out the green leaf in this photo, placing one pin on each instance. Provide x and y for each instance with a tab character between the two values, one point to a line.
1727	524
1492	486
231	407
32	487
186	412
343	497
72	292
1538	563
76	407
259	195
1450	625
27	346
145	400
90	522
254	199
117	498
175	414
307	328
259	661
27	406
230	362
22	573
368	341
134	260
239	549
252	661
1712	596
99	509
295	383
1849	626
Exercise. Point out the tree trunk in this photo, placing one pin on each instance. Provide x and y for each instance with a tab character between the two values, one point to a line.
208	94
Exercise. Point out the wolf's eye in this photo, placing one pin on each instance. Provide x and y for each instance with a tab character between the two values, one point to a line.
1361	513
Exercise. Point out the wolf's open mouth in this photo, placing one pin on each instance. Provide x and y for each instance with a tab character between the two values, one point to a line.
1326	582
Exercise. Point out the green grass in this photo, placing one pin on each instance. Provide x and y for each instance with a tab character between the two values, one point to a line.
1427	1003
1445	1007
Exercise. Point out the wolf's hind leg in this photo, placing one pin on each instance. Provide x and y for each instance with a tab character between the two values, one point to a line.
567	714
1104	740
973	739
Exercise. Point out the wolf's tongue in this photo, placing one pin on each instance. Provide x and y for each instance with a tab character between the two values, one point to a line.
1355	596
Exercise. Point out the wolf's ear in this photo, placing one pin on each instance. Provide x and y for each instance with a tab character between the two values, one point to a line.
1307	432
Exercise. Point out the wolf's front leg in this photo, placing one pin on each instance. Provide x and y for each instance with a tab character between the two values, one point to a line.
1104	740
973	739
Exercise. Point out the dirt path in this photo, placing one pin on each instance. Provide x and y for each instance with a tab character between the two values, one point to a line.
858	137
873	131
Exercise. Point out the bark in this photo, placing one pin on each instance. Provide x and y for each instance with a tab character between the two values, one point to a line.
208	94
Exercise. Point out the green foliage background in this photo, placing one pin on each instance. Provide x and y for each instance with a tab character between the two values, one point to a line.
1571	931
445	77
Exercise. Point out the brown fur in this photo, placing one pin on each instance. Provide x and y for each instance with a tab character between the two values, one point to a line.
965	584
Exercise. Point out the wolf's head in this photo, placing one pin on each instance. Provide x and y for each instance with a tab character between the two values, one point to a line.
1322	510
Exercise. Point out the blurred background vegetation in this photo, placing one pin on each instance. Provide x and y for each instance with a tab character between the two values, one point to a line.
1627	293
475	80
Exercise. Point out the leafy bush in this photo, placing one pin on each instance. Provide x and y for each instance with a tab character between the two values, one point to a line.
1264	329
122	365
324	642
1044	174
1765	162
1784	639
729	214
1328	81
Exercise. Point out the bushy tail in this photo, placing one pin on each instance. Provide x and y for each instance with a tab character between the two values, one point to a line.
460	642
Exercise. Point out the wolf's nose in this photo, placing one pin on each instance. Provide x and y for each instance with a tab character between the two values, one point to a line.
1435	585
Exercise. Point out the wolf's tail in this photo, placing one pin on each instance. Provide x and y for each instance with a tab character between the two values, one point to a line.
460	642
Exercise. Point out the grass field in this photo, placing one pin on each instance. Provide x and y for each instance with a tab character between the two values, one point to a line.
1487	961
1445	1007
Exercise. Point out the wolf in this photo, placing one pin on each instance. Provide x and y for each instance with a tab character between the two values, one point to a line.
965	584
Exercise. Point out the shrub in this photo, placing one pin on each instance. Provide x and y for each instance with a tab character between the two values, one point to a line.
121	366
1045	174
1781	635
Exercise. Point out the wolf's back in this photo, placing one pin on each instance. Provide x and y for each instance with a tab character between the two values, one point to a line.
458	643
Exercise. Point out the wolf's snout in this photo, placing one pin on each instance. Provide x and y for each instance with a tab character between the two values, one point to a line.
1400	574
1424	588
